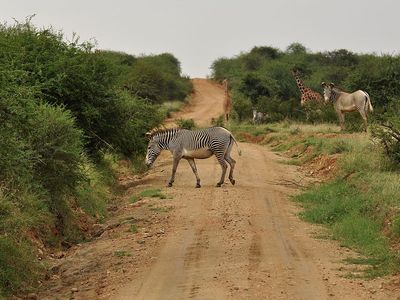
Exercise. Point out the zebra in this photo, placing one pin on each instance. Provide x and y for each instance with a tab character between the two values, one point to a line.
345	102
258	116
199	144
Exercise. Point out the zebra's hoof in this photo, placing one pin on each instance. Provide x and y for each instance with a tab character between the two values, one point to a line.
169	184
198	186
232	181
219	184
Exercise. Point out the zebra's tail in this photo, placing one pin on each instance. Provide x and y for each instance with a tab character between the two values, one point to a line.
237	145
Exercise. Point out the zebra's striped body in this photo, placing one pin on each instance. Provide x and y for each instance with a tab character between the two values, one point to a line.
348	102
190	145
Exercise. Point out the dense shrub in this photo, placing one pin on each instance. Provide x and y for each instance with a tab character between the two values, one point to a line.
157	79
87	82
388	132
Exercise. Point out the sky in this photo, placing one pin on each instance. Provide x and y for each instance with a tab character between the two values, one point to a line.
198	32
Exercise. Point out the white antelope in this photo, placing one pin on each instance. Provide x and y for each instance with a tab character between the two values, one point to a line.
258	116
345	102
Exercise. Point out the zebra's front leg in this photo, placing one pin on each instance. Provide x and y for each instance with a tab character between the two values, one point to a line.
341	120
194	169
174	167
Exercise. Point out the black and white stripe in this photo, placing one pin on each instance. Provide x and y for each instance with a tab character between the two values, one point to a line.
211	141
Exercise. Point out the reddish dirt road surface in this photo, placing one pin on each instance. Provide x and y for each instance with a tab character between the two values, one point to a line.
236	242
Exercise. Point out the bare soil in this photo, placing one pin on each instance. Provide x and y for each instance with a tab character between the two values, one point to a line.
235	242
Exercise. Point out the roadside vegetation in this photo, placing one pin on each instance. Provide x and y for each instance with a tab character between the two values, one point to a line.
69	114
261	78
356	194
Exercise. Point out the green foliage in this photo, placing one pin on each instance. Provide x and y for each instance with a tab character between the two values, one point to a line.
158	78
186	124
122	253
351	217
263	76
168	107
153	193
134	198
65	110
133	228
58	147
18	267
359	206
218	122
388	132
242	105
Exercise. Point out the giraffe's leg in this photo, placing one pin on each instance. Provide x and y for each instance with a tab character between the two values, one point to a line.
194	169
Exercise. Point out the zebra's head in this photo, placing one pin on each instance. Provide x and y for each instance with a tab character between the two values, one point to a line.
328	91
153	151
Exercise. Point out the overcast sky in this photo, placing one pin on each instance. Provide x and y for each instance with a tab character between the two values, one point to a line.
199	31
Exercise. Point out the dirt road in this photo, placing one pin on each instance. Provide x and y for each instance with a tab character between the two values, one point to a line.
235	242
205	104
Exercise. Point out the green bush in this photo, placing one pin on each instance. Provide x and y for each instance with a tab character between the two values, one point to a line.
18	267
242	106
388	132
186	124
58	148
87	83
218	122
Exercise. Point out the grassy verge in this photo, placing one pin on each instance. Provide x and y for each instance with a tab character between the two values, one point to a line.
360	204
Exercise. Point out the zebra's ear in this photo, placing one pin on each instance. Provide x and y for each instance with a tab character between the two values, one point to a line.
148	136
331	85
323	84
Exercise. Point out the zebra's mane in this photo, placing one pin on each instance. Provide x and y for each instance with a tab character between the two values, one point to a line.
163	131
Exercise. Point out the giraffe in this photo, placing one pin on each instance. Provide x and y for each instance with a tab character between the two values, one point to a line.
307	94
227	100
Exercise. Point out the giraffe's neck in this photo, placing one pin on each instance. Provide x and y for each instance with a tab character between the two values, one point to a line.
300	83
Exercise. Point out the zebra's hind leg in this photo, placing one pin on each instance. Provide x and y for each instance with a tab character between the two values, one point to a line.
364	116
224	166
231	163
194	169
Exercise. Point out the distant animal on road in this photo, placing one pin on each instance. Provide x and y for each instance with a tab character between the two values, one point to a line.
194	144
258	117
344	102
